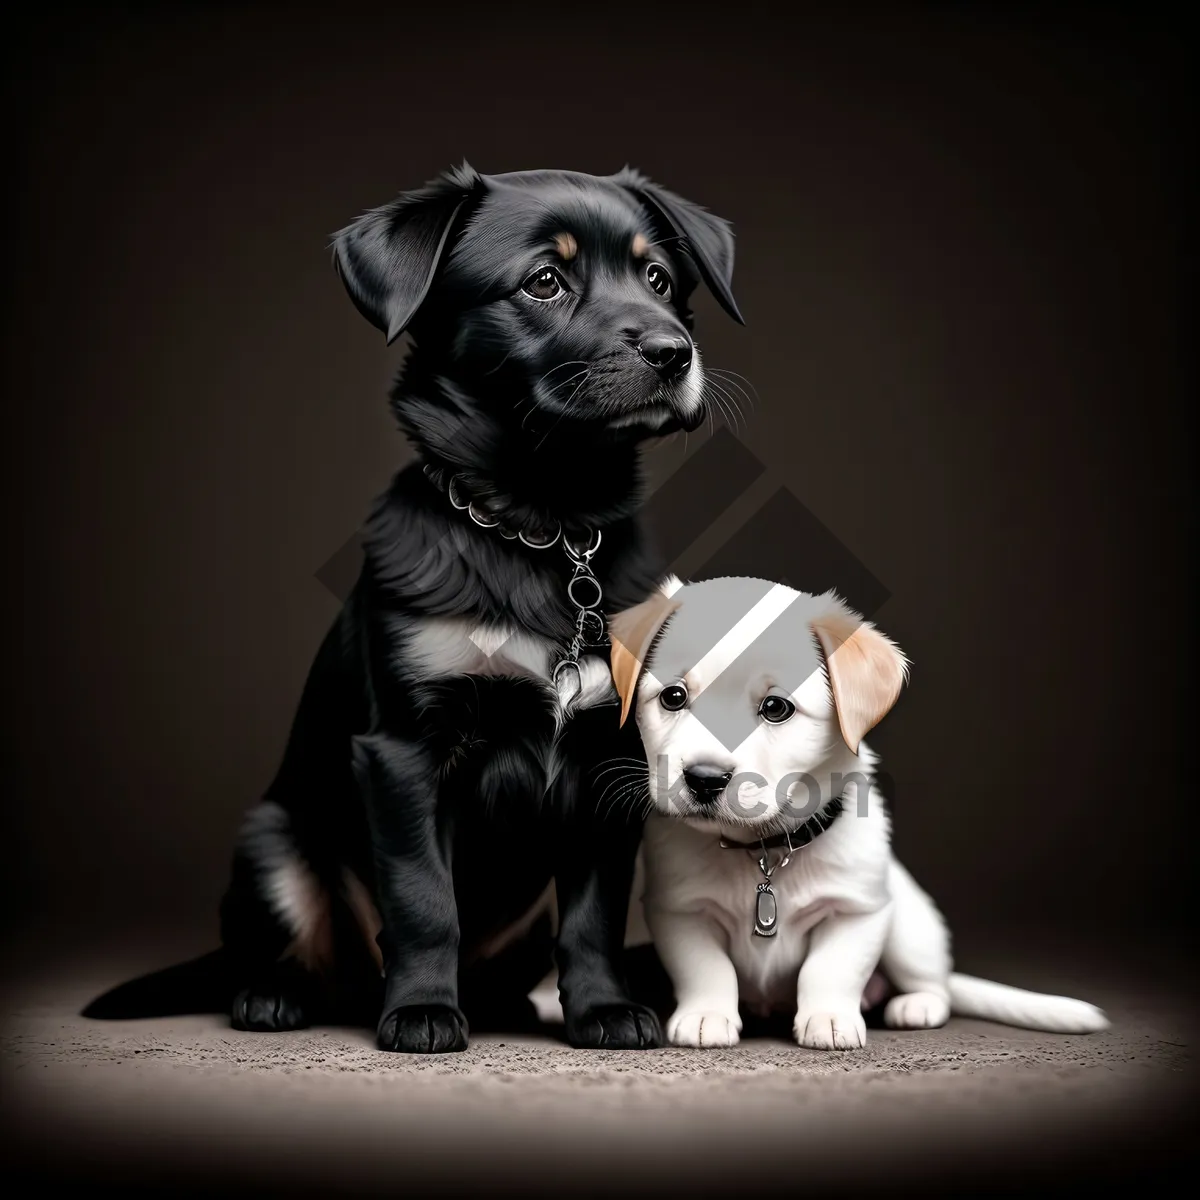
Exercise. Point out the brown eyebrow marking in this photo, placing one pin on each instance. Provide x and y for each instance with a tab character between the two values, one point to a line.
641	244
566	246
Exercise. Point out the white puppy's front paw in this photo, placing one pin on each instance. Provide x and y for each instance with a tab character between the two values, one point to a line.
695	1028
917	1010
837	1029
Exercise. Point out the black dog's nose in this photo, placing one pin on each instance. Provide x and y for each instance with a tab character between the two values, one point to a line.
668	355
706	782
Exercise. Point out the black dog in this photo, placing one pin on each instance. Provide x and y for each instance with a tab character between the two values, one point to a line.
443	763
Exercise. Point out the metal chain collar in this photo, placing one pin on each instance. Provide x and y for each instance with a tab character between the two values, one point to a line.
583	588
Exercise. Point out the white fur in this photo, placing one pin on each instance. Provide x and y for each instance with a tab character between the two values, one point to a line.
441	646
846	906
291	887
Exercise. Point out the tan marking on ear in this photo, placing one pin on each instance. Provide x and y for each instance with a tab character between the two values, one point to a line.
866	672
631	633
566	246
641	245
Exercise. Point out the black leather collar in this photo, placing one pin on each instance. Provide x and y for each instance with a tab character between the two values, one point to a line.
798	838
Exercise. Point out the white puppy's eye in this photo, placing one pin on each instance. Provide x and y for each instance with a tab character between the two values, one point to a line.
776	709
673	698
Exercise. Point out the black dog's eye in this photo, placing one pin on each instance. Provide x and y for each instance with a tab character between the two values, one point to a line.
776	709
544	284
659	280
673	698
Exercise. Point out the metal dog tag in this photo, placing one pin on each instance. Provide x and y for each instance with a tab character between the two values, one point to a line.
766	911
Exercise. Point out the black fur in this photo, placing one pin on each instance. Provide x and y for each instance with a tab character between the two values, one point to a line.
453	799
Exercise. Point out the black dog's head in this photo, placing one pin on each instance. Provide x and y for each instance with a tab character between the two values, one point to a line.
548	291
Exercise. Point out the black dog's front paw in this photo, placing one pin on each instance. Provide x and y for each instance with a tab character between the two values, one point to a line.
615	1027
423	1029
269	1009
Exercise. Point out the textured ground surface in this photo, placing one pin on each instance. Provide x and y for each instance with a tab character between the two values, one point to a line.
186	1101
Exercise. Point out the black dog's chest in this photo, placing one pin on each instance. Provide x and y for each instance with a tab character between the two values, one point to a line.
437	647
471	628
493	740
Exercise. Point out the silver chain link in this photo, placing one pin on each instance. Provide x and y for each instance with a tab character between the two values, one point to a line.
584	592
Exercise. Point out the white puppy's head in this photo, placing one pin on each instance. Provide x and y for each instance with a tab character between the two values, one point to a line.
752	699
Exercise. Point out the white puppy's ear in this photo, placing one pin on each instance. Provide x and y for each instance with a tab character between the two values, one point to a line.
866	670
632	632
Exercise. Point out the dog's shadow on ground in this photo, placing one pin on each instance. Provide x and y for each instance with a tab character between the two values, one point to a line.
199	987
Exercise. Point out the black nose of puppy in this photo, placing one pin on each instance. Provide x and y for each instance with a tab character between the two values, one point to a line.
670	356
706	782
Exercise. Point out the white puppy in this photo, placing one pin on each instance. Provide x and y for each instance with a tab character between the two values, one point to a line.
753	700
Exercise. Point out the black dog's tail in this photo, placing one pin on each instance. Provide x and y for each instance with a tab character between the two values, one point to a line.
203	985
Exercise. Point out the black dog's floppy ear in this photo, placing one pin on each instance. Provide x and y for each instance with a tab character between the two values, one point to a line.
705	237
388	257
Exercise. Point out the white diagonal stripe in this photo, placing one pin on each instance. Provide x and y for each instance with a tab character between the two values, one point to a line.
743	634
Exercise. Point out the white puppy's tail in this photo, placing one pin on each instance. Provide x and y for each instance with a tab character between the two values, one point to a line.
971	997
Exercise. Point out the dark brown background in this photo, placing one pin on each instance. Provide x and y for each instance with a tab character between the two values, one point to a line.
959	247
